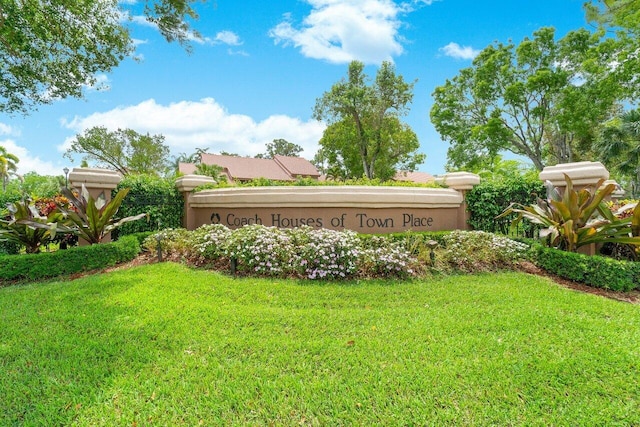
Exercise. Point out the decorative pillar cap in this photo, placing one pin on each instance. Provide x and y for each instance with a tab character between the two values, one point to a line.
459	180
581	173
94	178
618	193
187	183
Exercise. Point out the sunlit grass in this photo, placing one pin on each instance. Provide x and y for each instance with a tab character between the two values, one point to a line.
166	345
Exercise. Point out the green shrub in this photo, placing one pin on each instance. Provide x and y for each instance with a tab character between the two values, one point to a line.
62	262
490	198
155	196
175	243
596	271
9	248
477	251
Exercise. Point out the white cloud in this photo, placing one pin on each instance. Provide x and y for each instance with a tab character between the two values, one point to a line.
340	31
5	129
205	123
28	162
227	37
454	50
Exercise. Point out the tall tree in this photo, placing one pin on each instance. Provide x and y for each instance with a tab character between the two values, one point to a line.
365	119
619	148
7	166
621	17
53	49
538	99
623	14
124	150
281	147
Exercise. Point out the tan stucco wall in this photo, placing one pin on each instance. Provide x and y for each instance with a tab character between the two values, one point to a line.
364	209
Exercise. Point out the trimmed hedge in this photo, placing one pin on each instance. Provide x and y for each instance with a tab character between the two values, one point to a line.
158	197
73	260
596	271
490	198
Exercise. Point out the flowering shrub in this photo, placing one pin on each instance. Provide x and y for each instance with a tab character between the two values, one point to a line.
472	251
261	250
326	254
303	252
386	258
209	241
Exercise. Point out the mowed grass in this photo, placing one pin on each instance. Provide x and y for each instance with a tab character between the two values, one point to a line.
166	345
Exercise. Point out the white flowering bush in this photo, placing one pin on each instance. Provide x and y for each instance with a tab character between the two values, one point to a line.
318	254
210	240
326	254
473	251
386	258
261	250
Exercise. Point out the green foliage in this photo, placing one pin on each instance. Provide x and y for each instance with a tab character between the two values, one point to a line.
9	248
619	148
309	182
478	251
578	217
492	196
124	150
157	197
175	243
26	227
7	166
596	271
614	13
524	99
281	147
73	260
365	135
213	171
94	219
53	50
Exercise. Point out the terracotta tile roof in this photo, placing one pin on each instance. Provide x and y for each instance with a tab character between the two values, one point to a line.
297	166
187	168
247	168
417	177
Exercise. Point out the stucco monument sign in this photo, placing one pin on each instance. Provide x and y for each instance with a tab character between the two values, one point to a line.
364	209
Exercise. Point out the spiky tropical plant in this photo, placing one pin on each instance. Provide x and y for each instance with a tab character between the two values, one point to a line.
578	217
93	218
26	227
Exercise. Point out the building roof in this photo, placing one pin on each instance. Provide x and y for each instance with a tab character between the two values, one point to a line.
282	168
417	177
297	166
187	168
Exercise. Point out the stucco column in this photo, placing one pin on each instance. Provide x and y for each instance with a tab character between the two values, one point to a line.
98	182
186	184
461	182
582	174
618	193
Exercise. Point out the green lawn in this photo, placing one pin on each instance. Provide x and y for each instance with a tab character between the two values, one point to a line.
167	345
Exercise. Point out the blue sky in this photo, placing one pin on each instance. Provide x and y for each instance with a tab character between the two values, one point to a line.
261	65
